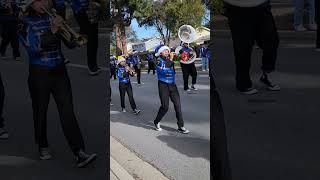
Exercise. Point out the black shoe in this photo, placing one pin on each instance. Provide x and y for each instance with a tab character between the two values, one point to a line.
270	86
94	71
83	159
183	130
4	133
136	111
44	154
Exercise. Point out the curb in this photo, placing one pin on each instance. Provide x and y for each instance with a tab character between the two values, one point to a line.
124	162
117	172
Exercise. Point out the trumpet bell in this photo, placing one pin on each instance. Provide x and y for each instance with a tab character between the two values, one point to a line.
187	34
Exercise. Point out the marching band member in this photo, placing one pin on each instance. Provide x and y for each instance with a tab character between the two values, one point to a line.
150	60
3	132
125	85
167	88
135	62
113	67
9	12
89	28
48	76
188	69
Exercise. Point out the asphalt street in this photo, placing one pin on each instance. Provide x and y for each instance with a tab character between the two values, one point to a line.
177	156
18	155
273	135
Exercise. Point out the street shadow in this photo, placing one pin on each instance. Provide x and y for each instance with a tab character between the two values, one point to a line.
201	147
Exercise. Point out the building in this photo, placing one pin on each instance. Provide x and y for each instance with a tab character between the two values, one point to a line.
146	45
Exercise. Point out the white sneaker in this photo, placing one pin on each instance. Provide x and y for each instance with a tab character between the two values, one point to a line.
157	126
193	88
124	110
183	130
300	28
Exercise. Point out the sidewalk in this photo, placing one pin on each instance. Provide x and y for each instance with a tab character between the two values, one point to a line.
126	165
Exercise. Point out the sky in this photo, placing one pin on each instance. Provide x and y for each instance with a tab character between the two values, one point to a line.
142	32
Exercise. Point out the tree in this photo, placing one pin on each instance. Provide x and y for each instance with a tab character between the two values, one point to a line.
168	15
121	16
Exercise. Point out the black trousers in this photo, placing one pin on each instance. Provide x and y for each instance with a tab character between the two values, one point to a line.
317	8
250	25
1	103
43	83
91	30
123	88
151	67
219	158
138	71
167	91
10	35
113	73
188	70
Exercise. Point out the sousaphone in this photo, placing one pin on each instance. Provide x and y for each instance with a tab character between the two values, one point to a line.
187	34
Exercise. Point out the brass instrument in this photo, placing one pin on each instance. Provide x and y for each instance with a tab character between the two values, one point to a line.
187	34
66	31
130	70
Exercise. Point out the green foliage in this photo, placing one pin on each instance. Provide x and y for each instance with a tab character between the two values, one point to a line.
169	15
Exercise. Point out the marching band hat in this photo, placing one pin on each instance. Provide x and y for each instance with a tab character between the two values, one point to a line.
160	49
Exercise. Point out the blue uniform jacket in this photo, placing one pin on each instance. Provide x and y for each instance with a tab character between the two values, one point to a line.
165	71
42	45
123	76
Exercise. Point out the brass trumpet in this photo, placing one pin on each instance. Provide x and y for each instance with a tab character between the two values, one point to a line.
130	70
66	31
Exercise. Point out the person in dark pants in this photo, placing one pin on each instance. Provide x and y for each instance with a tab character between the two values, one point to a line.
125	85
48	76
3	132
90	29
113	67
151	65
9	22
219	158
135	62
252	22
167	88
188	69
317	9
